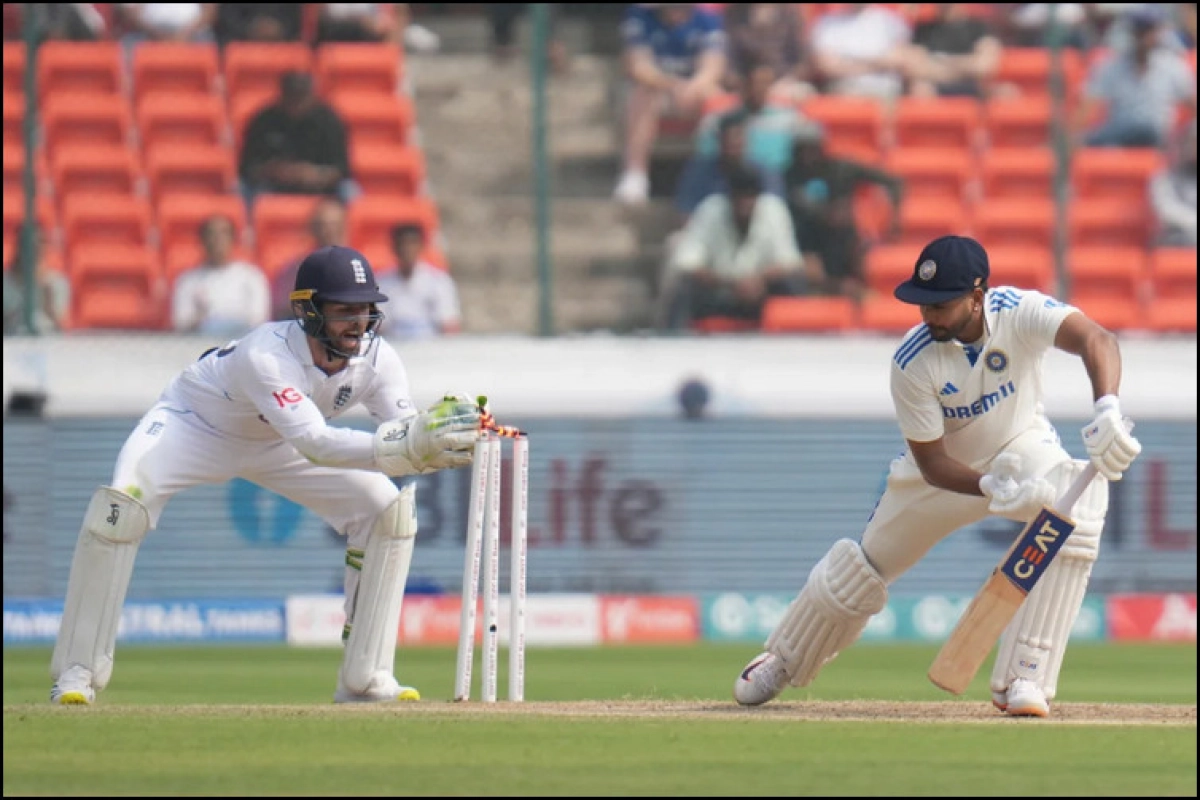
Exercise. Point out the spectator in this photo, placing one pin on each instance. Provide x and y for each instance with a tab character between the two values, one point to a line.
222	296
769	128
768	33
736	251
705	175
1173	194
1141	88
675	60
176	22
52	291
820	193
296	145
327	227
502	17
72	22
417	38
1028	24
359	22
257	22
861	49
422	299
955	54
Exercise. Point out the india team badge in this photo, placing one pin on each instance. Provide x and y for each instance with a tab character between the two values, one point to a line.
927	269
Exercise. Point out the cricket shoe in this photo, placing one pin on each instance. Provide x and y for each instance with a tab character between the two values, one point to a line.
382	689
762	680
1024	698
73	688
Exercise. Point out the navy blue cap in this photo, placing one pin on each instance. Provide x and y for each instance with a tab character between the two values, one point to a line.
336	274
948	267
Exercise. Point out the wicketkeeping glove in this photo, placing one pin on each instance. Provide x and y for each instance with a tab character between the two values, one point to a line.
1110	445
441	437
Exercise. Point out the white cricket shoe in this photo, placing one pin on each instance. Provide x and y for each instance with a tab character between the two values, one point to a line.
73	688
1024	699
383	689
762	680
633	189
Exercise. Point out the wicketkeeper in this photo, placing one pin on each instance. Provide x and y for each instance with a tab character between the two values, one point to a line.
259	409
967	388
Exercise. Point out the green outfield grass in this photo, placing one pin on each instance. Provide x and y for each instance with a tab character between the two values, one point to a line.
259	721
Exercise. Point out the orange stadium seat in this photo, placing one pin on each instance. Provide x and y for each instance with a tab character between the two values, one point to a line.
387	169
14	169
1027	222
1008	173
359	67
1018	122
808	314
190	169
1026	68
1114	313
375	119
848	121
1022	267
111	219
944	122
888	265
1107	272
281	226
1118	173
73	118
371	219
1173	272
94	169
1172	315
922	221
14	118
933	173
118	287
180	216
91	67
719	324
14	68
181	119
883	312
1107	223
181	68
256	66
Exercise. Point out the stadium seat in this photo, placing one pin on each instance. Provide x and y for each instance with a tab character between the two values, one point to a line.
180	68
1117	173
358	67
1026	68
177	119
281	225
721	102
1013	122
180	216
1173	272
94	169
373	119
256	67
1008	173
848	121
387	169
14	69
934	173
74	118
887	265
944	122
922	221
112	219
1171	315
1027	222
88	67
14	169
1022	267
14	215
116	286
1107	223
808	314
14	118
720	324
1114	313
884	313
190	169
1107	272
371	219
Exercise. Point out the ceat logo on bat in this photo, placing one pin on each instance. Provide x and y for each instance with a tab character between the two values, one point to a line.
1037	548
287	397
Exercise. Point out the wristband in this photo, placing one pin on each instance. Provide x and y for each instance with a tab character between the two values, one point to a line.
1109	402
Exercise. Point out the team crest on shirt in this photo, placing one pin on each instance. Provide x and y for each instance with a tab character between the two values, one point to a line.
996	360
343	396
927	269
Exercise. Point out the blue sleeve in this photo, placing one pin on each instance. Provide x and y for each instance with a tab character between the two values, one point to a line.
712	30
635	27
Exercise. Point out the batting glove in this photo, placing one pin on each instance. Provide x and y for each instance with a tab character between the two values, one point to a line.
1110	445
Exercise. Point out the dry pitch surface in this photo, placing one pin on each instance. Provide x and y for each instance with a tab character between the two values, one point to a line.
800	711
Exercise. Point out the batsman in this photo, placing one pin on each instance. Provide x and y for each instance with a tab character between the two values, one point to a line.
966	384
260	408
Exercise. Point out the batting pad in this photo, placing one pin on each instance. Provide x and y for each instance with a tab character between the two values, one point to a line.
842	593
374	616
113	528
1035	641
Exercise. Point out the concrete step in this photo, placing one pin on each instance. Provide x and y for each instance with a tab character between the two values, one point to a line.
511	306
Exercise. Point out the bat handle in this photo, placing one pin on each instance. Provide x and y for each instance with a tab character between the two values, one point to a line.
1071	496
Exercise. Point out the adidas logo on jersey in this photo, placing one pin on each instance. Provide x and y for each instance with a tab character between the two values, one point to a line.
948	389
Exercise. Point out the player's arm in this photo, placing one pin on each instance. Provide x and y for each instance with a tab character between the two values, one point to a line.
941	470
1097	347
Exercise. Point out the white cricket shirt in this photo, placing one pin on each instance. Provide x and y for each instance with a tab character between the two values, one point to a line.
978	400
265	386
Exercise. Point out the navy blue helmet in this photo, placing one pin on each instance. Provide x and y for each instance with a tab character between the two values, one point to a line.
335	274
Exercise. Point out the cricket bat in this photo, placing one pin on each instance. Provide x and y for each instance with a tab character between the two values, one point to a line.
994	605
